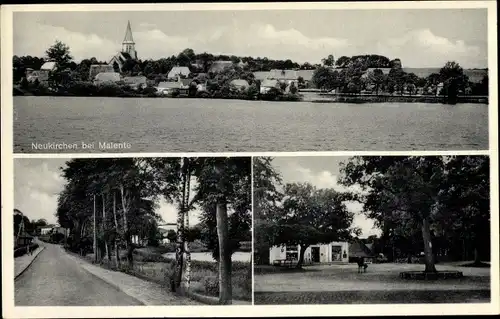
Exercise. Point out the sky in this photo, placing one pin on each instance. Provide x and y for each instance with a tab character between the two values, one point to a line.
322	172
419	37
37	183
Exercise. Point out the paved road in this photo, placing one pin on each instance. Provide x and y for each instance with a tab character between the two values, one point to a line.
56	280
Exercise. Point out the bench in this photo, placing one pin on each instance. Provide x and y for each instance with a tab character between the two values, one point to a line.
285	263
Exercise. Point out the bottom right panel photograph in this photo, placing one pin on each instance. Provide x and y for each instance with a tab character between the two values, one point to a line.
371	229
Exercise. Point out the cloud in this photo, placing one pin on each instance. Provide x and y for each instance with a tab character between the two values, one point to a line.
81	45
37	184
263	40
147	25
423	48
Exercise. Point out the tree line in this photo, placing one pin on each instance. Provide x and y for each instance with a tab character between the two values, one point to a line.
119	197
30	226
352	76
152	69
435	204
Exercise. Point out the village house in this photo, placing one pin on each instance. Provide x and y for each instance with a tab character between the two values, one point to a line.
53	229
163	231
334	252
357	250
107	78
239	85
21	237
128	51
267	85
177	71
288	76
41	75
99	68
284	76
135	82
46	229
181	86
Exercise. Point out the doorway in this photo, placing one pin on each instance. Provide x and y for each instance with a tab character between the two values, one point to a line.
315	254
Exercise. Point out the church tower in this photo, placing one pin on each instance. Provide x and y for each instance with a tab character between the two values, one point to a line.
128	44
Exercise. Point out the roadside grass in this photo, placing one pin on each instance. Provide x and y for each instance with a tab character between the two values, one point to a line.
149	264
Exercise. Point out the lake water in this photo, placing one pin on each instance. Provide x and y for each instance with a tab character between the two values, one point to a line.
197	125
237	256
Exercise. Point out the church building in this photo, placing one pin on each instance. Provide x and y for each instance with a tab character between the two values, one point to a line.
128	51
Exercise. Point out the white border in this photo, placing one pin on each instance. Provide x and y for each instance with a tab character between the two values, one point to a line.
9	311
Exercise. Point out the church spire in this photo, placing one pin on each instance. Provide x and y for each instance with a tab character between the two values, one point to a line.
128	45
128	35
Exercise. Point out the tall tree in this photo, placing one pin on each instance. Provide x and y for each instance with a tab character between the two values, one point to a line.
465	202
224	183
377	78
328	61
59	53
454	79
402	190
266	181
310	216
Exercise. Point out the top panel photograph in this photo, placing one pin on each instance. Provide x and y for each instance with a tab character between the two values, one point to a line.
250	81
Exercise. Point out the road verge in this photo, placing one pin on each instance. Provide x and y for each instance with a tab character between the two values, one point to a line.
23	268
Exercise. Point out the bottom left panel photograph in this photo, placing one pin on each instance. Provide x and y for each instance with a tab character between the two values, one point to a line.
132	231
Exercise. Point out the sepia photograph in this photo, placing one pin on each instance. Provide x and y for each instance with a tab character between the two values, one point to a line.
372	230
250	159
250	80
132	231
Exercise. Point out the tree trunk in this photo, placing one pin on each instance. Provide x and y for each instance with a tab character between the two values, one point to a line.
429	256
477	258
106	252
117	251
302	253
95	236
225	289
179	253
186	210
128	243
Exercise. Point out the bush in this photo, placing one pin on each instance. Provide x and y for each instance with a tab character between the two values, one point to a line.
149	91
57	238
211	285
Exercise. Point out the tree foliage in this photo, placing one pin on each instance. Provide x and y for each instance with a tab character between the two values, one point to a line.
414	198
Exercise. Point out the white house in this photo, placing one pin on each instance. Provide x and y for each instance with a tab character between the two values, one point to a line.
320	253
178	71
107	77
45	230
99	68
266	85
135	82
164	230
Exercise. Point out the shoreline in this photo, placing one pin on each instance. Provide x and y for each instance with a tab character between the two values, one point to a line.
321	98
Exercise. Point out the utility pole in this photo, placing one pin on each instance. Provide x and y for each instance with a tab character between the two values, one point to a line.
95	236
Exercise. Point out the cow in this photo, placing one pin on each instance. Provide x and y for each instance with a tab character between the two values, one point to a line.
362	265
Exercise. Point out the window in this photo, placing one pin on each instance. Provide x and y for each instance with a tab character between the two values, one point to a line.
336	253
292	253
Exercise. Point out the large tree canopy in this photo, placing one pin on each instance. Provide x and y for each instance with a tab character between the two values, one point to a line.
409	194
